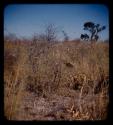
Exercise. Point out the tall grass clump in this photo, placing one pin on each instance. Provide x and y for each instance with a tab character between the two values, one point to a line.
14	77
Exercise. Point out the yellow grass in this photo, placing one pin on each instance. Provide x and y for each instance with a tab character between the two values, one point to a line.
46	68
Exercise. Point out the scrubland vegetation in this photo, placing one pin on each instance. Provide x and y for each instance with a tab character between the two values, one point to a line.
56	80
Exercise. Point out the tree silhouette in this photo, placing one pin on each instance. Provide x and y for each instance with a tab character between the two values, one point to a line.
94	29
66	37
84	37
50	32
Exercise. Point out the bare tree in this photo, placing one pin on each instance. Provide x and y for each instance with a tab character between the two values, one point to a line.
66	37
50	33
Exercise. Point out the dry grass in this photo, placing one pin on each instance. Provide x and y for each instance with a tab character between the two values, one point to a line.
72	69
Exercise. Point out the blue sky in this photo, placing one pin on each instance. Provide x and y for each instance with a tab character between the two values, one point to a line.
26	19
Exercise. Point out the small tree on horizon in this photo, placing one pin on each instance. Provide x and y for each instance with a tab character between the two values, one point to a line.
66	37
94	29
50	33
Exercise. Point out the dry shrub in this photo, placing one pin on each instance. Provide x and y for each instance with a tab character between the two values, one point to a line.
44	72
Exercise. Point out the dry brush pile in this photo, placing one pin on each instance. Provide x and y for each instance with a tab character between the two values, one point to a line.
70	69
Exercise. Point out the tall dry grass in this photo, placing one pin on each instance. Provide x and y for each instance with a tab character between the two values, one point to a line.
45	69
15	67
